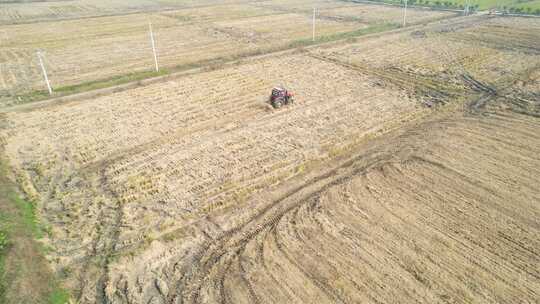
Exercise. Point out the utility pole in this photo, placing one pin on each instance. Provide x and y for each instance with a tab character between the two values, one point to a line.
313	23
153	46
405	14
44	72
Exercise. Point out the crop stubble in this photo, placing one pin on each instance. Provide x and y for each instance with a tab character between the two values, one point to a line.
91	49
192	190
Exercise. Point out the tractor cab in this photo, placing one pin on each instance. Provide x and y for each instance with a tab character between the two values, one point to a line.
280	96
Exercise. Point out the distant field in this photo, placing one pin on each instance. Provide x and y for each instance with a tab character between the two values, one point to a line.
518	6
406	171
24	11
85	50
21	12
447	55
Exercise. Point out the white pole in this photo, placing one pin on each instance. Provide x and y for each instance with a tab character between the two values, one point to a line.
44	73
313	23
405	14
153	46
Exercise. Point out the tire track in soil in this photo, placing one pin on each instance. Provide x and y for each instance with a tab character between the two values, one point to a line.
212	255
109	237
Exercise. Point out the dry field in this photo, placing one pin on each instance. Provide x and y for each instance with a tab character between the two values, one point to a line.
380	13
446	214
27	12
406	171
487	50
24	11
171	154
83	50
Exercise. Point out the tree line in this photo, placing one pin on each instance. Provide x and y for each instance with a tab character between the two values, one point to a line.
461	6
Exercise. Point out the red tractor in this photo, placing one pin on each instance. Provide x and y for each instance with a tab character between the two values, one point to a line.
280	96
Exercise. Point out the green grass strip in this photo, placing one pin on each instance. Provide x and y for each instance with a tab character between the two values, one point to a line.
18	220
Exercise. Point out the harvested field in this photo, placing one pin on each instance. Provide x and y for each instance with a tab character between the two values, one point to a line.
82	51
24	12
392	178
477	51
425	217
173	153
380	14
20	11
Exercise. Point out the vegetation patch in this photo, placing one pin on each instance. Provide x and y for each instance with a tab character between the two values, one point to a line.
3	247
89	86
22	261
510	6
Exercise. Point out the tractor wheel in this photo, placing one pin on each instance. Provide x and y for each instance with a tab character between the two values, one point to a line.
277	103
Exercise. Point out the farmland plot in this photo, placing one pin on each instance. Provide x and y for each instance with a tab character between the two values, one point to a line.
284	27
219	12
503	48
299	6
97	49
194	191
381	14
348	11
423	215
431	225
34	11
13	13
173	153
118	45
